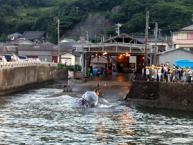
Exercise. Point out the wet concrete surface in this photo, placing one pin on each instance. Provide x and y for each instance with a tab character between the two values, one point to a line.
115	86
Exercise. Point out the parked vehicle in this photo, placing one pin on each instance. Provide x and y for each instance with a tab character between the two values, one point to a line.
1	59
8	57
22	57
97	71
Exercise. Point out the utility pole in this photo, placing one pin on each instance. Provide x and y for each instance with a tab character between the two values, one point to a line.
77	10
87	36
59	56
146	37
171	33
155	47
118	28
192	17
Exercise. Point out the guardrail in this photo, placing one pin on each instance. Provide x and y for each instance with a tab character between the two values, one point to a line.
14	64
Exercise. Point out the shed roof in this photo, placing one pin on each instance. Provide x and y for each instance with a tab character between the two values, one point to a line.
123	38
172	50
188	28
46	46
31	35
19	42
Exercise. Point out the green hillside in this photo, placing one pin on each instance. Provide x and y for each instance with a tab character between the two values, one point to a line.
22	15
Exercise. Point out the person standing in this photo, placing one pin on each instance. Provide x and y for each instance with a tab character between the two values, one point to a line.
91	71
147	73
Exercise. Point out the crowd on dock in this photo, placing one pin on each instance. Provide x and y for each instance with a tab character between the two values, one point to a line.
166	73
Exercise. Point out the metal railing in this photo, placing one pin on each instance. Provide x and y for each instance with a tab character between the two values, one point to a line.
14	64
130	46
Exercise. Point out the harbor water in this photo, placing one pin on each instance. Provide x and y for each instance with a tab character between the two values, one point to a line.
48	116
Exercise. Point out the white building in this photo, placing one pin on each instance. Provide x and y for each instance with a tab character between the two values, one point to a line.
183	38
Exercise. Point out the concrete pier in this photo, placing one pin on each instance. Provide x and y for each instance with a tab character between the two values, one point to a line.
161	95
16	76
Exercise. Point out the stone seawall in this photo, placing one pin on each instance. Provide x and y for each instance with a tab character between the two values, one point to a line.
161	95
18	78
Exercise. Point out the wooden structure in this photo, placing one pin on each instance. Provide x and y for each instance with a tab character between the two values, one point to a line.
114	46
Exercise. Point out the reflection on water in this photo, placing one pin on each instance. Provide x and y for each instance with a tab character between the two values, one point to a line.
46	116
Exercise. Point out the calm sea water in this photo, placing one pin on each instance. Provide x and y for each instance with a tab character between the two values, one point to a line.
46	116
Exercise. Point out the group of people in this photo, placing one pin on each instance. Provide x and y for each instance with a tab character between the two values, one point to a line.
167	73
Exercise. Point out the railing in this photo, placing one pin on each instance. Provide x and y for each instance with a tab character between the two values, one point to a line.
130	46
4	65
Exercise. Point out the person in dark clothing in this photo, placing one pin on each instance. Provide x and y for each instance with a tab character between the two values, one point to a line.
91	70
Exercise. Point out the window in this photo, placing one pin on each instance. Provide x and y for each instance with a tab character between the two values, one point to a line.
190	35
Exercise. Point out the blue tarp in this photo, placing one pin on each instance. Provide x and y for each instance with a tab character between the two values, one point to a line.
185	63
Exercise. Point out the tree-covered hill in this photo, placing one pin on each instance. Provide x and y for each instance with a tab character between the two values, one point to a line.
22	15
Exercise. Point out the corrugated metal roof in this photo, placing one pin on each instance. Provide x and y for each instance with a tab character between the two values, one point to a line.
172	50
123	37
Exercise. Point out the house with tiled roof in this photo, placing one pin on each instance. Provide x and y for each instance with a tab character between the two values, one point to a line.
35	36
14	36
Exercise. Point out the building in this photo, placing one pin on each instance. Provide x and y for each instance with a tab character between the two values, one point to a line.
171	56
163	44
1	47
183	38
14	36
68	55
35	36
122	51
45	51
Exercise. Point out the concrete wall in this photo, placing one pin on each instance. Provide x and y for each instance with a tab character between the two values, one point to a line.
161	95
18	78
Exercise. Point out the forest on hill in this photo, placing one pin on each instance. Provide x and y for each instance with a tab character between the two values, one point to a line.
42	15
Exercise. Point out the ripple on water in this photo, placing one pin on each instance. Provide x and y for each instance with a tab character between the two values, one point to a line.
46	116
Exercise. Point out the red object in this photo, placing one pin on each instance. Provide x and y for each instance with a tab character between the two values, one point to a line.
55	59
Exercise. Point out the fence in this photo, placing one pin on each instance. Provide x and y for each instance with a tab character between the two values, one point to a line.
5	65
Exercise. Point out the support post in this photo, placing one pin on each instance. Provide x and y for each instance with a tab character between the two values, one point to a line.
82	61
155	47
59	56
85	65
146	38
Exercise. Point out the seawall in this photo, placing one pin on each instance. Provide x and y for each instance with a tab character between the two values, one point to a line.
161	95
13	79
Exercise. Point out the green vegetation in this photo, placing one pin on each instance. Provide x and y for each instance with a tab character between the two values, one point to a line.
75	67
61	67
22	15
